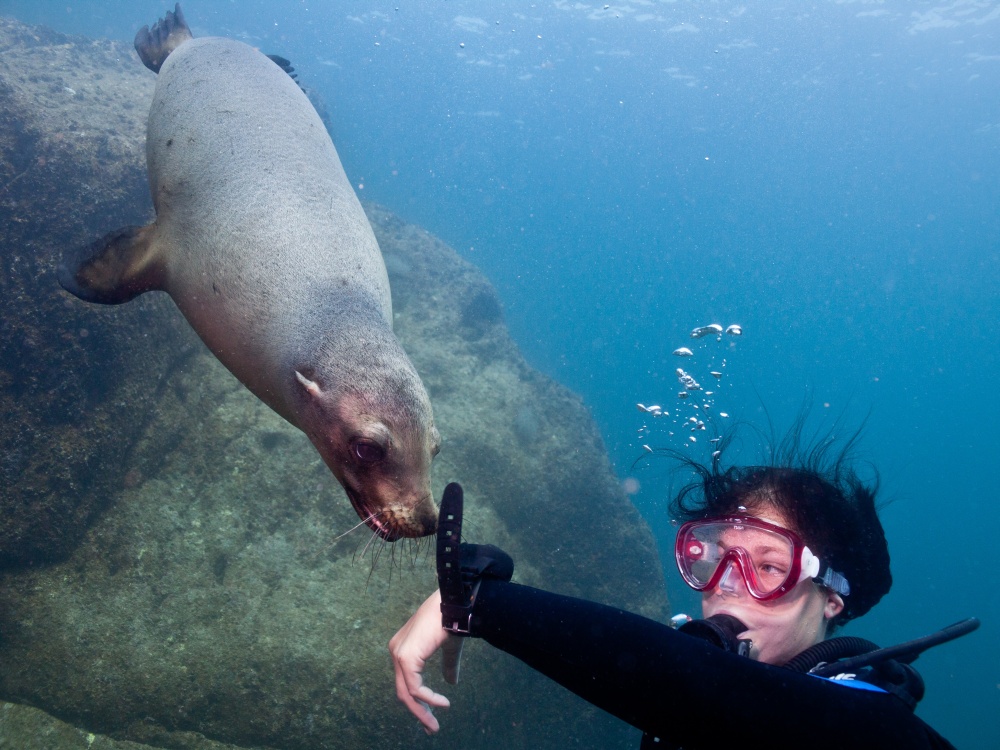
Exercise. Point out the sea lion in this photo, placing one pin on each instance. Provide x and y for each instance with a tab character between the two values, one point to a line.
261	242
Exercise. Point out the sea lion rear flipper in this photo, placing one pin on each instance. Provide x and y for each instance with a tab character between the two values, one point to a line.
285	64
167	34
114	269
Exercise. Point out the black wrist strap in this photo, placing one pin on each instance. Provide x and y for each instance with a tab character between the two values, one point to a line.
462	567
456	602
457	618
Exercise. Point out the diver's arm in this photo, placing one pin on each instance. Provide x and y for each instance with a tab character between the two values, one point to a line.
681	688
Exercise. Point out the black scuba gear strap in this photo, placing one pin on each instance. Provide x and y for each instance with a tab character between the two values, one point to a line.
887	668
462	567
904	652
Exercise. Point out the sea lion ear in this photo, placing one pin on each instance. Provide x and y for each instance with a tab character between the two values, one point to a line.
311	386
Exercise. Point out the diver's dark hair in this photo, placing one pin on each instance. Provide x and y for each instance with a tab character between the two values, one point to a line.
821	496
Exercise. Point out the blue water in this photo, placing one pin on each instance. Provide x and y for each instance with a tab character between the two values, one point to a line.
825	174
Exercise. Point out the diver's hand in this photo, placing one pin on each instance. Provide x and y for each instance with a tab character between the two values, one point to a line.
415	642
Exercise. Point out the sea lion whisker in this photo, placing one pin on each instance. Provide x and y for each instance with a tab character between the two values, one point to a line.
398	561
375	535
416	546
405	555
355	527
326	547
410	555
376	553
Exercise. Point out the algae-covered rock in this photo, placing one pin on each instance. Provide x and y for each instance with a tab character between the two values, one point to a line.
207	586
27	728
77	384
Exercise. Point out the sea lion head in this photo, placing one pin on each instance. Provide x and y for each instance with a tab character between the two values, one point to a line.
378	437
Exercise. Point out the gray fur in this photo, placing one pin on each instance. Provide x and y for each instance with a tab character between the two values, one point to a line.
262	243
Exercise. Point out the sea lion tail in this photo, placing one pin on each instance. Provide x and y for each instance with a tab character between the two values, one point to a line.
114	269
167	34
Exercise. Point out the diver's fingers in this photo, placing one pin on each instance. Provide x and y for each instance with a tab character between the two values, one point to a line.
410	687
418	701
451	663
410	648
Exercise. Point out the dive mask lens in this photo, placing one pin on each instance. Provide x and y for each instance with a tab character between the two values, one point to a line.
767	556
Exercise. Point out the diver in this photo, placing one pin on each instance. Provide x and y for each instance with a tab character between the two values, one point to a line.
782	555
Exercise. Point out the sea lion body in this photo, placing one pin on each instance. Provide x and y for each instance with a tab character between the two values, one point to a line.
264	247
252	199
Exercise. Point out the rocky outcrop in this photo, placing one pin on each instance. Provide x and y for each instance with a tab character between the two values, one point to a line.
178	568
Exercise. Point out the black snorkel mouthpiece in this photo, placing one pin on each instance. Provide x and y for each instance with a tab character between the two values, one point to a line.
722	631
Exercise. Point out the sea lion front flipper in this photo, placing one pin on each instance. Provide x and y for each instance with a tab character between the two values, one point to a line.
167	34
114	269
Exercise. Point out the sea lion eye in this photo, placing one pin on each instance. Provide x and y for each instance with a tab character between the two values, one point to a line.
368	451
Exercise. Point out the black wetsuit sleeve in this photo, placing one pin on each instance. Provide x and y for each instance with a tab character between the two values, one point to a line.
683	689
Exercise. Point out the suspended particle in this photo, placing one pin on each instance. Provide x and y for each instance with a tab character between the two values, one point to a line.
683	352
734	330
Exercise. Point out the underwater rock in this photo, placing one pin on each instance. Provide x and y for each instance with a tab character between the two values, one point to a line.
196	581
27	728
77	384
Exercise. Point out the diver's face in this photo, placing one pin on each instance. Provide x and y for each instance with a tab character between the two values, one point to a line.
782	628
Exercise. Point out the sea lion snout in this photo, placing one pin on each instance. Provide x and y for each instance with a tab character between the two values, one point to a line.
388	510
402	522
380	444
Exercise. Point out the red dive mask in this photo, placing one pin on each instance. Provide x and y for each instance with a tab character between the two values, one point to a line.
772	560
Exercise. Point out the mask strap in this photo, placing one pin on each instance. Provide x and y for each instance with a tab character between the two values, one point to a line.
823	574
834	581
